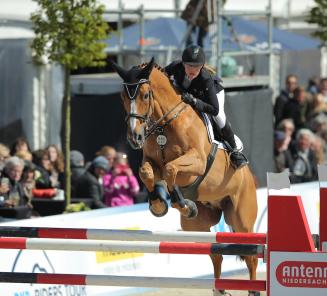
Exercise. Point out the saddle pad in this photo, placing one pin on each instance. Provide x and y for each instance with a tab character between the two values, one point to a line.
211	137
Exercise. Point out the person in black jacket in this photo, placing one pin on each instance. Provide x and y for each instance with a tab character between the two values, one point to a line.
205	94
90	184
284	97
77	167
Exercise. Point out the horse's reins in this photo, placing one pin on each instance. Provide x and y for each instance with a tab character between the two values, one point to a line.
155	125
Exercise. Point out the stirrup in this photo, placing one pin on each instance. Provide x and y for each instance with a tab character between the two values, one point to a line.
238	159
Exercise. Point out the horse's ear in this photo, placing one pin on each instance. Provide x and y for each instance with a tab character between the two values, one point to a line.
148	68
121	72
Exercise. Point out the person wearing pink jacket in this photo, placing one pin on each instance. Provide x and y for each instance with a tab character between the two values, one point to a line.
120	186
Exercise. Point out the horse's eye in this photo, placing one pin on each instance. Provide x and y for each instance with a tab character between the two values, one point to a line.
146	96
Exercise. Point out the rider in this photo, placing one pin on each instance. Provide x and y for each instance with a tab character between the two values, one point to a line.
205	94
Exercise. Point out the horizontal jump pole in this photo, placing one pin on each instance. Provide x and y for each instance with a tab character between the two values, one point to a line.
135	247
134	235
131	281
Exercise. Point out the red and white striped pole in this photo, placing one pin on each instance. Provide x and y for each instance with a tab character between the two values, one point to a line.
131	281
135	247
133	235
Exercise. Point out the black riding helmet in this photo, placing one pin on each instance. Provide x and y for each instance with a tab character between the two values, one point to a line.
193	55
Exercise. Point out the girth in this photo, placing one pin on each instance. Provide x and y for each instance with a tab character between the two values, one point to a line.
191	191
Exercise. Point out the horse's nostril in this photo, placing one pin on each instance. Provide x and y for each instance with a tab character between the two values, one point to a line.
138	137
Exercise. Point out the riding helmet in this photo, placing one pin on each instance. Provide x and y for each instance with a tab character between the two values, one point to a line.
193	55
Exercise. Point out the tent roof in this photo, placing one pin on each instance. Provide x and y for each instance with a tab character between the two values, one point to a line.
163	32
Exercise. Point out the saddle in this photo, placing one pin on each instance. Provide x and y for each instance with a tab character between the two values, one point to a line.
214	134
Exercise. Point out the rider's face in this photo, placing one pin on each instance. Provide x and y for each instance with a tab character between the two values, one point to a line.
192	71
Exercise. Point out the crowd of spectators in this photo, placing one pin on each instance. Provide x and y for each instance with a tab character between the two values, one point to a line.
106	181
300	134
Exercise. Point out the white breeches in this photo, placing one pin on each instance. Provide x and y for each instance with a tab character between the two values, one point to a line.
221	117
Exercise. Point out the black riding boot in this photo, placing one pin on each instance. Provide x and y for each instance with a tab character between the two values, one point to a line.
237	158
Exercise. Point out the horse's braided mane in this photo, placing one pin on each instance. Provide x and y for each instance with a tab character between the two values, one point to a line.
158	67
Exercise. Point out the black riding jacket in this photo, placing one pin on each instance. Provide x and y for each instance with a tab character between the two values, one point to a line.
204	87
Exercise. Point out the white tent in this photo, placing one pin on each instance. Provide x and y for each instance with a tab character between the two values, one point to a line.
30	95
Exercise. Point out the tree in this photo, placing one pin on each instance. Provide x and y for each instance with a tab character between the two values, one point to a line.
69	32
318	16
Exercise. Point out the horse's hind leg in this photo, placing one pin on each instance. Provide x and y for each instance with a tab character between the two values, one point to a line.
207	217
242	219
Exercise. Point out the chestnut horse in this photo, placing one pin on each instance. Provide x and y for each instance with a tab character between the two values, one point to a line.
175	147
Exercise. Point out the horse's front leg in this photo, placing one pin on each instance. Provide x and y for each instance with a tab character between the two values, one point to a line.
150	176
189	164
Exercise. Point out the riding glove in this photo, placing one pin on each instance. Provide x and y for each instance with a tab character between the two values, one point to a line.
189	99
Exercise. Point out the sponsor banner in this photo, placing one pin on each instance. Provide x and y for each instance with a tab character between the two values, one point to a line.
298	273
103	257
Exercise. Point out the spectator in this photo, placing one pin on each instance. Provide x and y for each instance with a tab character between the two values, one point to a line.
4	154
121	186
28	181
77	165
283	157
57	166
323	135
318	148
323	88
297	108
24	155
90	184
108	152
287	126
305	165
313	85
319	106
43	169
11	189
285	95
318	123
20	144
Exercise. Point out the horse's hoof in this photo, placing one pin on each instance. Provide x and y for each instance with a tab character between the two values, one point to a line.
193	209
254	293
158	207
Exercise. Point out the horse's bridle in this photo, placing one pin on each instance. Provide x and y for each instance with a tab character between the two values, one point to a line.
132	97
151	125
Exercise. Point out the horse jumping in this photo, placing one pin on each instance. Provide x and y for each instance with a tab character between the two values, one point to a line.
176	147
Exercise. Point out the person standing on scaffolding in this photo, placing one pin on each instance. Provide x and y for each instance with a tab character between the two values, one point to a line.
198	14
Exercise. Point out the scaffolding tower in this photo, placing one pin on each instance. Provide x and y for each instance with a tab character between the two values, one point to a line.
216	53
